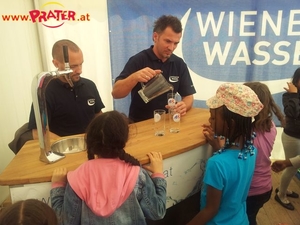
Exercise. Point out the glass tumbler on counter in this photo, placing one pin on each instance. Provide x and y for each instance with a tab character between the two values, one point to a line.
174	117
159	122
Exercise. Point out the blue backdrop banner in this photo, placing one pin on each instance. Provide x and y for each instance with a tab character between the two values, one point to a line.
223	41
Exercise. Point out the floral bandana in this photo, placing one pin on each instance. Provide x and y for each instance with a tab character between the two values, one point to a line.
238	98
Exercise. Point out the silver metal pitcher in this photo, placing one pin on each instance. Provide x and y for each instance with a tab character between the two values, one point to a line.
155	87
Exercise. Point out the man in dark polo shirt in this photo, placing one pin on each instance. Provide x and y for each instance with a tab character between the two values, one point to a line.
70	109
159	58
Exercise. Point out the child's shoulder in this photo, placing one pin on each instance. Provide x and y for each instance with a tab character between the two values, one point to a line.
229	156
224	155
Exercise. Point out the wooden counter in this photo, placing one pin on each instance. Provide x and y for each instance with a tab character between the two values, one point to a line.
25	168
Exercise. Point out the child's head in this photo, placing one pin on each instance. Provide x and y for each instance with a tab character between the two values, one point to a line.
232	109
106	137
296	78
263	120
28	212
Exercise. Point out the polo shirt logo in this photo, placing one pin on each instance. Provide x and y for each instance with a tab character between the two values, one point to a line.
91	102
173	79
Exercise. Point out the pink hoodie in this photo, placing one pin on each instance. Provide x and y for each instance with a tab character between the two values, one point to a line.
104	184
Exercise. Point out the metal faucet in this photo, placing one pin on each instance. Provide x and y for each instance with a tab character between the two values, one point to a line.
38	89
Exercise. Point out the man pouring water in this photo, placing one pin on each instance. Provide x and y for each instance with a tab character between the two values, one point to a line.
147	64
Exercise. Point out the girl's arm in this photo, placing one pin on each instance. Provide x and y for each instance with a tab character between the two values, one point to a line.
153	190
64	201
213	201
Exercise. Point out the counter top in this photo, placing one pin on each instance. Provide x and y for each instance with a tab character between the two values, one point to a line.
26	168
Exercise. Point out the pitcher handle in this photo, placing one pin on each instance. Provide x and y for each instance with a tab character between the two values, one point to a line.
143	85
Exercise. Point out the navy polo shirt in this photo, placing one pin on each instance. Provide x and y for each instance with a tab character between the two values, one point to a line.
174	70
70	109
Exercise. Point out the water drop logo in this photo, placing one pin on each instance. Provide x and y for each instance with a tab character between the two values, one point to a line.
157	117
91	102
171	102
176	117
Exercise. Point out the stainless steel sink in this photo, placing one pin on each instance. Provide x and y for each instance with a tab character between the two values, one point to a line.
69	145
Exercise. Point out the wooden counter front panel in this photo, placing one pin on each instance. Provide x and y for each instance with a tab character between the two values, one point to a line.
25	168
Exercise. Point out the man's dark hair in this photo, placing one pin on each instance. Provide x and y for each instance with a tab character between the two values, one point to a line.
167	21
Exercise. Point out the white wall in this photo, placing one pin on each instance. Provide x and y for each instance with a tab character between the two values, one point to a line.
26	46
20	61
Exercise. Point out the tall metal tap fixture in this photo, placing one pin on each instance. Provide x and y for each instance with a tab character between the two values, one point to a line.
38	90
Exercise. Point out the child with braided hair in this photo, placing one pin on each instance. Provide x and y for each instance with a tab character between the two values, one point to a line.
111	187
229	171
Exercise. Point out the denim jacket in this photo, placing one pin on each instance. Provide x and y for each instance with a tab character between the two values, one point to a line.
147	200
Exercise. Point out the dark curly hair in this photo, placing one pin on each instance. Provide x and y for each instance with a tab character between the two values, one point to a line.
106	137
238	126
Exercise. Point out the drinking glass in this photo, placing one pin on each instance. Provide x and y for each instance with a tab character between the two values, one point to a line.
159	122
174	117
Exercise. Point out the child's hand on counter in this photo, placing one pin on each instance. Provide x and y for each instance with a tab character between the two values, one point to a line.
156	162
59	175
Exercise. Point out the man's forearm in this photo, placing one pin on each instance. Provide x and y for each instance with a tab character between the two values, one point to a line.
123	87
188	100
